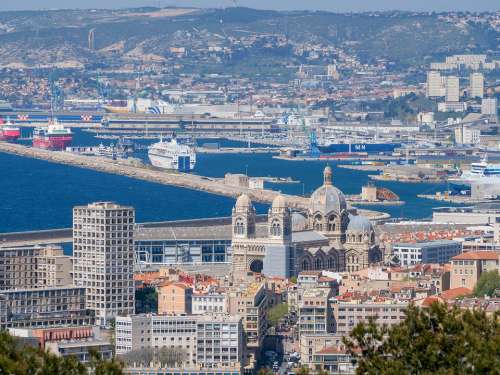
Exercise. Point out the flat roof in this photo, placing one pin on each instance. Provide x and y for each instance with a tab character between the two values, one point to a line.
427	243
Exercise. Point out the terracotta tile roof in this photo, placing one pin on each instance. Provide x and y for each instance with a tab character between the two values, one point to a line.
427	301
334	349
455	293
477	255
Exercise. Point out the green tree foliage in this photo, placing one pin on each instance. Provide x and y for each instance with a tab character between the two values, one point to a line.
303	371
146	300
265	371
487	284
437	340
276	313
19	359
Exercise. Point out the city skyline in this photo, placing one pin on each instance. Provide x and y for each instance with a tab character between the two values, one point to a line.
325	5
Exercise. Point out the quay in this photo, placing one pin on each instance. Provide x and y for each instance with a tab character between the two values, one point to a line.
183	180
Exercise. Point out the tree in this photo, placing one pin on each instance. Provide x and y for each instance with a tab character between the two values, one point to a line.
487	284
276	313
17	358
146	300
265	371
437	340
303	371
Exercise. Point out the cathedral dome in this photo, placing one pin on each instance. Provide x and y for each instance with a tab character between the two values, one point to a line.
243	202
327	198
299	222
279	202
359	224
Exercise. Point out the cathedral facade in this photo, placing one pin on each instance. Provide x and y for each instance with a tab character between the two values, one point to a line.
327	236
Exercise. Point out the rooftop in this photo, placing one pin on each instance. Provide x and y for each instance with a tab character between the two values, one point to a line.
478	255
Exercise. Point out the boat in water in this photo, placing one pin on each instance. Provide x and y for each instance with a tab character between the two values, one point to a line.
358	147
481	172
54	136
172	155
8	131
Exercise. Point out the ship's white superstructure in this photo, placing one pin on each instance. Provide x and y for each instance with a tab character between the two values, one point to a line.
172	155
482	172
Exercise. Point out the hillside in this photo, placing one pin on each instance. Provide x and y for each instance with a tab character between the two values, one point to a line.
60	37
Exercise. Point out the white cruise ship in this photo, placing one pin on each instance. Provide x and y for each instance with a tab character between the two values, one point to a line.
172	155
481	172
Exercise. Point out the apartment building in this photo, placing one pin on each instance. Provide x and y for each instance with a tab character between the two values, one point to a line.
476	85
213	342
64	341
103	258
219	342
348	314
42	307
209	302
326	352
439	252
466	268
174	298
315	312
24	267
452	89
250	302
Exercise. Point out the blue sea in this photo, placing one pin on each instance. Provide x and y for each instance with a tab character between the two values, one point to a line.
40	195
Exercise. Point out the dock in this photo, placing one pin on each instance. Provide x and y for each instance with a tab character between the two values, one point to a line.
183	180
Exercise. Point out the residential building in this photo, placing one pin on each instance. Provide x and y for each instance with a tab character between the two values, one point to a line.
325	352
24	267
315	313
65	341
435	87
496	230
103	258
174	298
219	342
43	307
213	342
426	252
452	89
209	302
489	106
250	302
476	89
466	135
53	267
466	268
348	313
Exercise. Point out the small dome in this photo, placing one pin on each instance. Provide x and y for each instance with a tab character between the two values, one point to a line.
299	222
279	202
327	175
243	201
327	199
359	224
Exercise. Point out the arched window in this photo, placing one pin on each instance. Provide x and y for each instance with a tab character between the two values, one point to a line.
305	265
276	228
331	263
331	224
318	264
360	238
239	227
318	223
373	238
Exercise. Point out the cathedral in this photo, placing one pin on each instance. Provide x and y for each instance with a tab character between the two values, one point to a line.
327	236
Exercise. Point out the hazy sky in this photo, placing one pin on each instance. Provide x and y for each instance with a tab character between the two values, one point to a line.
332	5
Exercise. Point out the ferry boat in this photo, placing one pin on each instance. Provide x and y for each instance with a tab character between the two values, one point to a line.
172	155
8	131
54	136
482	172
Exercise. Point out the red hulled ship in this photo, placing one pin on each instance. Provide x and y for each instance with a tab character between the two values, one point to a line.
52	137
8	132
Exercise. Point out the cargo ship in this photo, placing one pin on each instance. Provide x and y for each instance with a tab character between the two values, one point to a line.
52	137
359	147
172	155
9	132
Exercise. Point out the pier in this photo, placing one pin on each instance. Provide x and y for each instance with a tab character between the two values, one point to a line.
183	180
